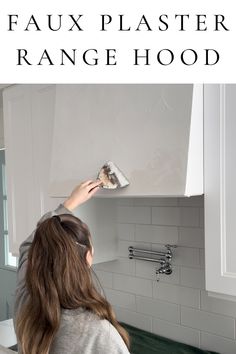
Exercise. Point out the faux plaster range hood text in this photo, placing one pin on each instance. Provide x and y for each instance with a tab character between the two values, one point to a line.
154	133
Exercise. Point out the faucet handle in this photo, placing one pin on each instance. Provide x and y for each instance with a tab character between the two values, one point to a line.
169	253
164	269
169	247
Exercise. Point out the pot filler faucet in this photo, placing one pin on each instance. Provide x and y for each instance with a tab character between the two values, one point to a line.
153	256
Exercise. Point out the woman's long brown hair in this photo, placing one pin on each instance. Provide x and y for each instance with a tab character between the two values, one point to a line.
58	277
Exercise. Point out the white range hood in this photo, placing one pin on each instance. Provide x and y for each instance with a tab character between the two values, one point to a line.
154	133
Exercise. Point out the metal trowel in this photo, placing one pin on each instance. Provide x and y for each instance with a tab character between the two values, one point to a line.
112	177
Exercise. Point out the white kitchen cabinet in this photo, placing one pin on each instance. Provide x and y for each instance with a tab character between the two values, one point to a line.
42	114
220	188
19	164
154	133
29	124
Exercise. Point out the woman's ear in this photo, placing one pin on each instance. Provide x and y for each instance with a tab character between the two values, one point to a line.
89	258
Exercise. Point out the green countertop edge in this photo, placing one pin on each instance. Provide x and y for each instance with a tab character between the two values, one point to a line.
143	342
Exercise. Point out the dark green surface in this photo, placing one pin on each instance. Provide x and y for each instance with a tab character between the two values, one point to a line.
143	342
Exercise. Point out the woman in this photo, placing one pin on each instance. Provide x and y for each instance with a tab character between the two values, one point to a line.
58	308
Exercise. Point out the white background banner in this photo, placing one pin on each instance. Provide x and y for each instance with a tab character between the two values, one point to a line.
117	42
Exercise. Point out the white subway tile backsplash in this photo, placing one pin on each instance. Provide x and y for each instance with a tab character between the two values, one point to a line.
134	215
190	217
201	222
133	318
212	304
156	201
186	256
196	201
177	294
169	216
125	202
191	237
119	298
157	234
160	309
146	270
177	306
217	344
123	266
133	285
207	322
202	258
192	277
105	278
176	332
126	232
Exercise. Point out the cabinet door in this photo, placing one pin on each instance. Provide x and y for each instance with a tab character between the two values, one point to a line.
19	163
220	188
28	123
43	102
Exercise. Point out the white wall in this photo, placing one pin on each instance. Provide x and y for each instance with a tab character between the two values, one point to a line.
178	306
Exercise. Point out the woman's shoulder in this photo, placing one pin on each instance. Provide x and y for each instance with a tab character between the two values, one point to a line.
84	318
110	340
99	332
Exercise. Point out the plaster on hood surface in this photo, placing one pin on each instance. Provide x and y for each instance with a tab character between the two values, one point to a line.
152	132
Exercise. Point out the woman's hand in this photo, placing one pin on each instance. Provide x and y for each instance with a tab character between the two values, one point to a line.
81	194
